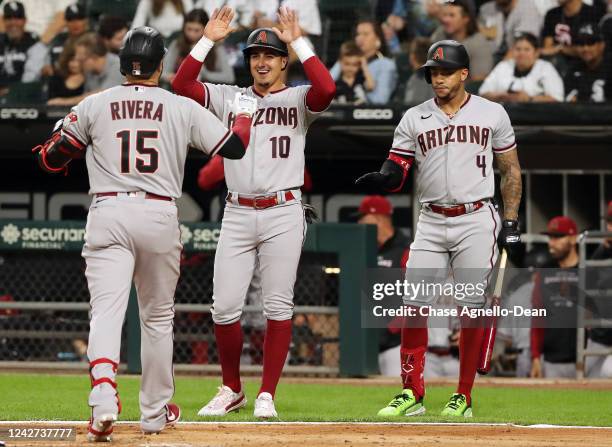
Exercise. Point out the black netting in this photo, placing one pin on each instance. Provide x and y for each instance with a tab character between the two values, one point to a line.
61	335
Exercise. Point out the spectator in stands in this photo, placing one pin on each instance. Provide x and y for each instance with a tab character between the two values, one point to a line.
308	11
601	338
126	9
77	24
417	88
216	66
112	29
69	80
590	78
502	20
166	16
370	40
45	17
525	77
458	24
355	78
100	66
243	10
553	348
408	18
15	45
561	26
605	26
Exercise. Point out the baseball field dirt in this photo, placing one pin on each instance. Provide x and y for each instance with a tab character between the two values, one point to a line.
323	435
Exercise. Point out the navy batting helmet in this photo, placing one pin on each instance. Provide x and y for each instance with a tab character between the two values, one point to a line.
264	38
446	54
142	51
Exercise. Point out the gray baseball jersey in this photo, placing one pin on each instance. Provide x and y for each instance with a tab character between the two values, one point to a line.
138	138
454	156
274	160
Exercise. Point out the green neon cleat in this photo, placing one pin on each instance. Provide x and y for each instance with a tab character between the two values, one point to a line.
457	406
404	404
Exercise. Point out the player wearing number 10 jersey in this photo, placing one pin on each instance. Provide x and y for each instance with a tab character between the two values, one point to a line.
264	217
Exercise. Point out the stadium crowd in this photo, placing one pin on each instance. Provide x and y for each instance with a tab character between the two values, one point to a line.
520	50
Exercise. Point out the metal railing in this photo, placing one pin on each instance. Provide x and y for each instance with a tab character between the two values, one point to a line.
583	321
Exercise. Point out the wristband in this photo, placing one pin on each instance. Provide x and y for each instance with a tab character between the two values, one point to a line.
302	49
201	49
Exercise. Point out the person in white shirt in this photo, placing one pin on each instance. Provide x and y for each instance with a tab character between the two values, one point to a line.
502	20
525	77
166	16
243	10
307	10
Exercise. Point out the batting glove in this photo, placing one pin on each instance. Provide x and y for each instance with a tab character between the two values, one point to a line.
510	235
389	178
244	105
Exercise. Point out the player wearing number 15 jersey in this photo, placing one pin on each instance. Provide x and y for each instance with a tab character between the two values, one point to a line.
264	217
135	138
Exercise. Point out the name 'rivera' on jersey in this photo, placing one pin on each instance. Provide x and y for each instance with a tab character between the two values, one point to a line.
453	134
136	109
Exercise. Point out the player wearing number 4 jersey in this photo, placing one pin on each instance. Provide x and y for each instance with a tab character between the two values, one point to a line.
134	139
452	139
264	216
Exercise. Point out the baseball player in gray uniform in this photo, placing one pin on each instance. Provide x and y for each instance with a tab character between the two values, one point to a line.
264	217
134	139
453	139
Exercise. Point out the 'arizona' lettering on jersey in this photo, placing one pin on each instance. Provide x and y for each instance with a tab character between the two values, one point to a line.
454	155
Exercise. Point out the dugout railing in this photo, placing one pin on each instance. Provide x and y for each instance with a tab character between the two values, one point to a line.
32	254
584	320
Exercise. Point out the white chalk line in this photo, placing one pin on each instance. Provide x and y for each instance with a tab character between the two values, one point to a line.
277	423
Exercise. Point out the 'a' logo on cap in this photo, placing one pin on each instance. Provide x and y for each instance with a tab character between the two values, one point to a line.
262	37
439	54
136	68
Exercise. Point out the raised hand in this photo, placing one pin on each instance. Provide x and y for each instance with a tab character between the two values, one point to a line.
218	26
288	19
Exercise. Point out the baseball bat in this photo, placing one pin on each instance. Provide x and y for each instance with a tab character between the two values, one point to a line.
490	331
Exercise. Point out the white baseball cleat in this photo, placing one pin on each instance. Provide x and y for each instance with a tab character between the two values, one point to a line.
264	406
101	428
224	402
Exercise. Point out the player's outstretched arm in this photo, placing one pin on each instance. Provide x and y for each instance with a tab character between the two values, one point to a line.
323	87
392	174
214	138
186	83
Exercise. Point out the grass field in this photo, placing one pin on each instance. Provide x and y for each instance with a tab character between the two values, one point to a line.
64	397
